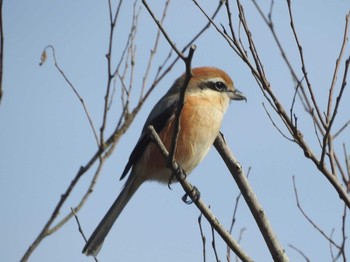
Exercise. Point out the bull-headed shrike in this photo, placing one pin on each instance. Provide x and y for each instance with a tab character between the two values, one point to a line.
206	100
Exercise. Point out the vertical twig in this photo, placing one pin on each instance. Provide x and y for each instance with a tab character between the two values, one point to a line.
1	50
80	228
213	244
153	50
335	110
303	66
336	69
233	220
113	22
203	238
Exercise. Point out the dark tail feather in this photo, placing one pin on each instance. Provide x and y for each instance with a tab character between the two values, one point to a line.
95	241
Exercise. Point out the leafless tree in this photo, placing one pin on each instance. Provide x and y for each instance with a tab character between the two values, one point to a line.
238	35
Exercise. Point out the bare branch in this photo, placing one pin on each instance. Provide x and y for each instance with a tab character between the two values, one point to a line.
191	192
122	126
153	50
240	237
80	228
303	66
336	69
81	100
309	219
344	236
302	94
341	129
213	244
236	205
346	179
276	250
233	221
300	252
327	137
274	124
225	36
202	235
165	34
160	76
297	135
113	22
180	104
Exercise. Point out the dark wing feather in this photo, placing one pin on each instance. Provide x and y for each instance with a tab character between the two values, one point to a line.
158	122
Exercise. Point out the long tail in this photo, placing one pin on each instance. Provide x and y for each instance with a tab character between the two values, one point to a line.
95	241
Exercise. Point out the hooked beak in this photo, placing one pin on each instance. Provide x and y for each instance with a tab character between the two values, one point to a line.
237	95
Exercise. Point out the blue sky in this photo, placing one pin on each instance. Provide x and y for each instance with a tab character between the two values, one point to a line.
45	136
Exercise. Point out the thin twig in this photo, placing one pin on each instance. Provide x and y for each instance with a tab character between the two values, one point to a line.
80	228
300	252
81	100
341	129
224	35
293	100
303	66
180	104
153	50
185	48
1	50
113	22
165	34
274	124
309	219
213	244
187	60
302	95
336	69
346	179
233	220
344	236
335	110
236	205
203	238
240	237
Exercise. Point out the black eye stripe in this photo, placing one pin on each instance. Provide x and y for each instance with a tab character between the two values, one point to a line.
219	86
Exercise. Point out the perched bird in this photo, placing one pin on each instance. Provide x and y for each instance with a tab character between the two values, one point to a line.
207	98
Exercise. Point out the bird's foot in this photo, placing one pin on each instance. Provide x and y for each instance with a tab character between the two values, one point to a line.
195	196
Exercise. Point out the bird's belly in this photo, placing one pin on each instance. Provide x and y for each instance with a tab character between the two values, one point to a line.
198	130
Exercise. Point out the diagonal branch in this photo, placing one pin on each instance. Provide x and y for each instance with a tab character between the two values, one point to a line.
165	34
276	250
191	192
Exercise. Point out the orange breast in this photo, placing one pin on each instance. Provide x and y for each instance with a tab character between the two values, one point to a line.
200	122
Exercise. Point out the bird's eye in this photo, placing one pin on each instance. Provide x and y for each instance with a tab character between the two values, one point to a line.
220	86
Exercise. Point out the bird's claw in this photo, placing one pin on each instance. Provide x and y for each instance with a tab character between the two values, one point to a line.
173	178
196	195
